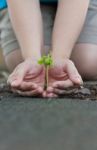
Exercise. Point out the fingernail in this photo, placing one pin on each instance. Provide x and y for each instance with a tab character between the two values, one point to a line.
13	83
40	90
44	94
77	78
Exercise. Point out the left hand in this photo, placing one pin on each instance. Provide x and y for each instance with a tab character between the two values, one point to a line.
62	76
27	79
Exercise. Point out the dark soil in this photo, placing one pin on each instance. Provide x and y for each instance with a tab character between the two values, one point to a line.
87	92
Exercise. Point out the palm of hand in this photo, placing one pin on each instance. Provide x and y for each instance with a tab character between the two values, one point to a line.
27	79
61	77
56	75
37	76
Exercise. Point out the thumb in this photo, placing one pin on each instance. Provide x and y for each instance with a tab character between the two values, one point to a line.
73	73
19	76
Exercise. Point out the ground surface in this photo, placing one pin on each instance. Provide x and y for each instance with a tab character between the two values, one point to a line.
53	124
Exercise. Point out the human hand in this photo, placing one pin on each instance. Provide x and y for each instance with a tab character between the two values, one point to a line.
27	79
61	76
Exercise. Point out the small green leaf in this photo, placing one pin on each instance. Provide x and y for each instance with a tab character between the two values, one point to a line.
46	60
40	61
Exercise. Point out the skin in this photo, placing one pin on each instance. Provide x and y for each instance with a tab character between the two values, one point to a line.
28	81
70	24
67	26
27	26
84	55
62	75
31	47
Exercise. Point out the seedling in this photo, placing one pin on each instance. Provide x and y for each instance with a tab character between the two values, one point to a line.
47	62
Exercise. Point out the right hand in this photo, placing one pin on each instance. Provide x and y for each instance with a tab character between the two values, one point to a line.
62	75
27	79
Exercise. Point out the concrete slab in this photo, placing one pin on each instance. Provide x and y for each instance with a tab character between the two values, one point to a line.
53	124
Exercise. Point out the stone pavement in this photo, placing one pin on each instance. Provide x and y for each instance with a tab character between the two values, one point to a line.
53	124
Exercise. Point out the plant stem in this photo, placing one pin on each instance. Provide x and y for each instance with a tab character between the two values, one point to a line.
47	69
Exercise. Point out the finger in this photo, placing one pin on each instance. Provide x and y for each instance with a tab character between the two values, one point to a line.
60	92
50	89
17	76
14	81
63	84
44	94
49	95
40	90
11	78
26	86
52	95
28	93
73	73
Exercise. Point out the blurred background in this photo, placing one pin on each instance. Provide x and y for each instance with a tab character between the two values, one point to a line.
3	68
2	63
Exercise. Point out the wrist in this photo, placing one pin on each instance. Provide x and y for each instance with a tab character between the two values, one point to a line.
32	60
32	57
59	57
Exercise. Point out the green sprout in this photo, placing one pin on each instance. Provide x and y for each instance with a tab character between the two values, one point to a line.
47	62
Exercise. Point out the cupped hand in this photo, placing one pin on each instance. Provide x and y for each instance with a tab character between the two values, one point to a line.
27	79
61	76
